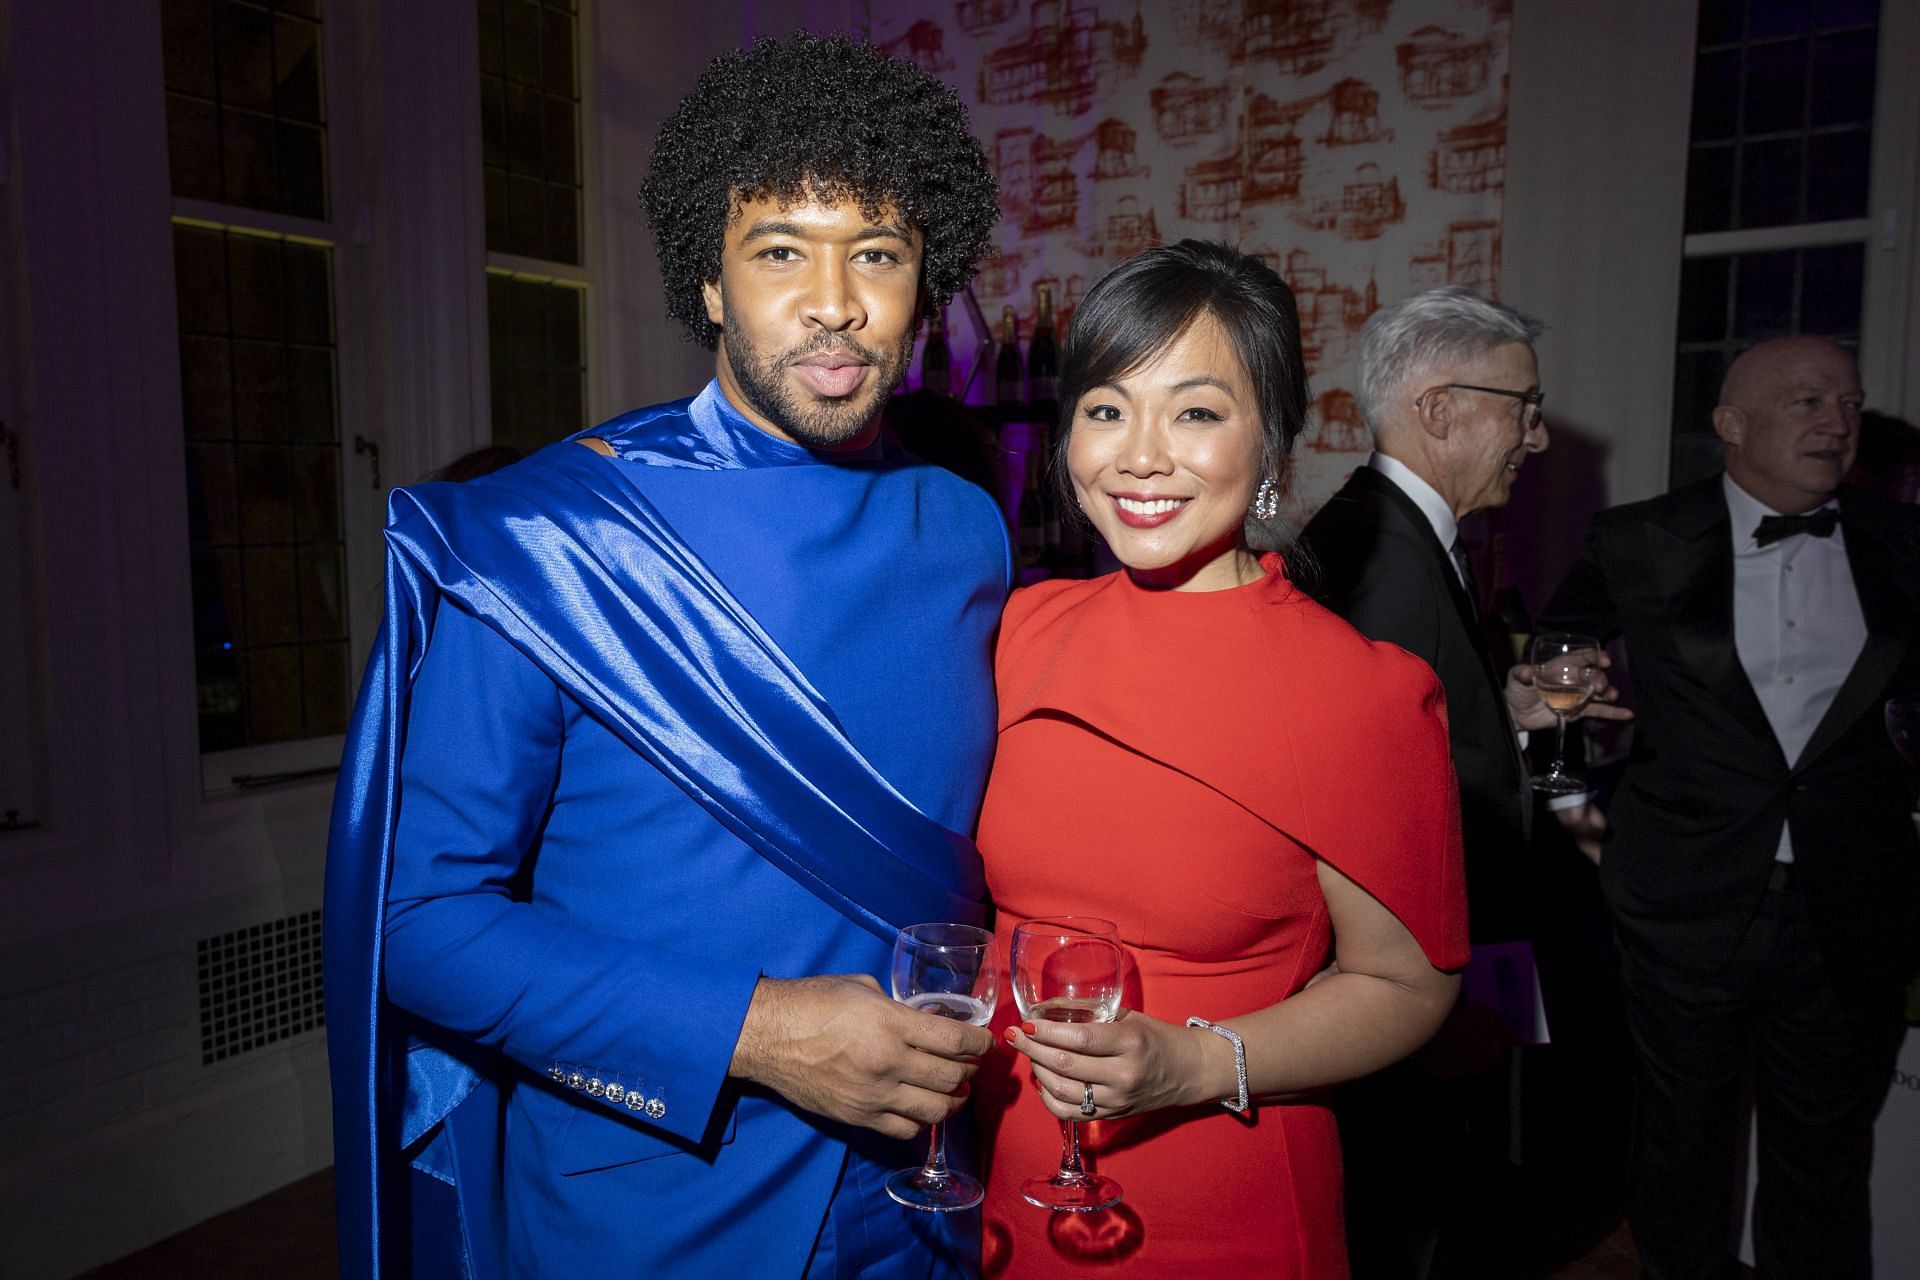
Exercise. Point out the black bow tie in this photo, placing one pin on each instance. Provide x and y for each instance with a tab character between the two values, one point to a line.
1819	523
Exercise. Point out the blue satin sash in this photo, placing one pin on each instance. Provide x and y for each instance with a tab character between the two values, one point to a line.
577	569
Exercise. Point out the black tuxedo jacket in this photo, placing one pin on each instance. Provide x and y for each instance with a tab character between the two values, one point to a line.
1379	565
1696	823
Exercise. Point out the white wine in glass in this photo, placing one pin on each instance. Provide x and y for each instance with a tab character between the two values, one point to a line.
1566	670
1068	969
946	970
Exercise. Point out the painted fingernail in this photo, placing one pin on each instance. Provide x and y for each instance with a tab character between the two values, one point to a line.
1010	1032
1028	1027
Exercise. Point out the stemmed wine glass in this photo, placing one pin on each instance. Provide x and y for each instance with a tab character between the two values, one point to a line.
1903	726
1565	670
1068	969
946	970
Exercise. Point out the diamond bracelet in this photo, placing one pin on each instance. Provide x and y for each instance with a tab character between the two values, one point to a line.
1239	1103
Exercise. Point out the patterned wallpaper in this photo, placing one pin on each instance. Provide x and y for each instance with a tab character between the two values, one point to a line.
1357	145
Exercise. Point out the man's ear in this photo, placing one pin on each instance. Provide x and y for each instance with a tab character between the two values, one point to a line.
1434	412
716	310
1729	424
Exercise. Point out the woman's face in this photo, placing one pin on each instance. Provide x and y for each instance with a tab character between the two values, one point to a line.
1165	462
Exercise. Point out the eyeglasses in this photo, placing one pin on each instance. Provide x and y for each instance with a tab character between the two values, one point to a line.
1530	417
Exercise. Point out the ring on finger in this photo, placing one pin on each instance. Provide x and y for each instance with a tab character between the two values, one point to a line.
1086	1102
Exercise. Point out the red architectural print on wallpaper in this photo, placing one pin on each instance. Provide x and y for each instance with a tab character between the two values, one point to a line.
1068	56
1471	156
1211	190
1187	108
1341	428
1331	315
1117	151
1469	254
1299	37
1354	106
1123	232
1039	176
976	17
1365	205
1439	67
1212	26
925	45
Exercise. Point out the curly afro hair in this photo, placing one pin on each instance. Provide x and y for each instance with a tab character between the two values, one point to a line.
815	117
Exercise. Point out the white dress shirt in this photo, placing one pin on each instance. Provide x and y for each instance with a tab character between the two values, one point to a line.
1427	498
1797	624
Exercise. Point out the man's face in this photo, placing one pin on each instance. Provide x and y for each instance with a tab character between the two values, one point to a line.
1489	435
1790	422
817	305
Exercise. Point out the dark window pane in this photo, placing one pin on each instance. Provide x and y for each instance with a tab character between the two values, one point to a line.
186	38
563	326
213	508
1837	169
526	217
490	54
526	129
323	614
569	400
1832	280
556	52
266	506
1716	95
273	695
1845	13
1703	299
323	670
206	384
248	160
309	296
1776	96
216	593
272	614
523	41
530	404
245	42
1696	390
528	317
1721	21
559	144
310	394
316	494
499	304
193	148
259	391
500	388
1710	189
1843	79
303	169
1769	18
304	8
1770	179
200	279
563	224
493	121
496	185
296	58
258	306
1763	295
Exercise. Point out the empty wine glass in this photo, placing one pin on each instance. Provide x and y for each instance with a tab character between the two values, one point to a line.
1068	969
1565	671
1903	726
946	970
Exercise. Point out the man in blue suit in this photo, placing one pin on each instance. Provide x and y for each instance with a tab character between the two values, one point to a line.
671	727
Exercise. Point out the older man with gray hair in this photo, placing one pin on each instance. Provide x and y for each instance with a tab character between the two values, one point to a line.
1450	389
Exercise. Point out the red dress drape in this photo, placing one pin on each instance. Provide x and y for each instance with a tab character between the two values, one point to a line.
1175	762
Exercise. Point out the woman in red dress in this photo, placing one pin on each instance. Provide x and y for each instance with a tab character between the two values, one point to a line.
1257	796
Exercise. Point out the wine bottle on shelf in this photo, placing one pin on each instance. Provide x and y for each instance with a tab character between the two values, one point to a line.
1031	535
1043	361
936	362
1006	371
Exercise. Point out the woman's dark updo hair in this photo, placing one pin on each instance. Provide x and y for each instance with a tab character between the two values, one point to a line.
820	117
1141	307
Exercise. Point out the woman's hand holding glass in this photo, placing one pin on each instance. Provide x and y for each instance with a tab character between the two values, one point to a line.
1136	1064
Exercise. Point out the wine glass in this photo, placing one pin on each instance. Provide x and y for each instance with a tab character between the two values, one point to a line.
1565	669
1068	969
946	970
1903	726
